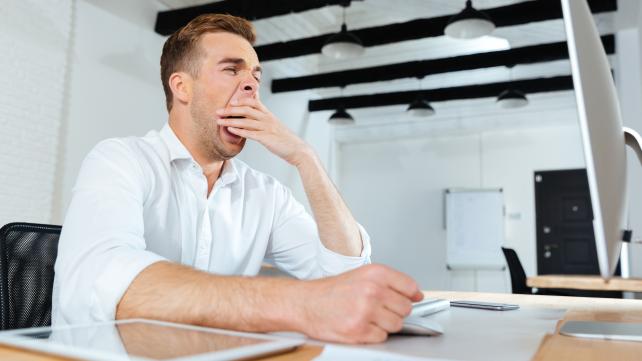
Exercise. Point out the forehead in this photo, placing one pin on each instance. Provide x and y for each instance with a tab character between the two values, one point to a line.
226	45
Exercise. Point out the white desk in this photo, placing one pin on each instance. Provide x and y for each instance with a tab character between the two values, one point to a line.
474	344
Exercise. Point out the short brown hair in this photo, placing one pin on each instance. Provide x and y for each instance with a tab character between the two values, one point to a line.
181	51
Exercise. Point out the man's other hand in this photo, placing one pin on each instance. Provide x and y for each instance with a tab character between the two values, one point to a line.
360	306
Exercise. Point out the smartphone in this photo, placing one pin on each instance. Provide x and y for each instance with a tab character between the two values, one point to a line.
484	305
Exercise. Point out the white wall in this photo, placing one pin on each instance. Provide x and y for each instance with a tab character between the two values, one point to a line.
34	38
115	89
395	188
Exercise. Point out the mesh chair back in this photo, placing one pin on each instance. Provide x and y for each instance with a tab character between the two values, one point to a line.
27	257
517	274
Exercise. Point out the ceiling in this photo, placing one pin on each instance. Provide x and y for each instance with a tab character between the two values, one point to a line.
370	13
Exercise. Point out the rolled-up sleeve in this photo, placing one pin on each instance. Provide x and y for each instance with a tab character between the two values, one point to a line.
102	246
295	246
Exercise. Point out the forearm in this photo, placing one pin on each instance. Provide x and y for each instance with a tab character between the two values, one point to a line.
175	293
338	229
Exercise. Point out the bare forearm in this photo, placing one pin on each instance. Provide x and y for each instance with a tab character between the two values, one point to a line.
175	293
338	229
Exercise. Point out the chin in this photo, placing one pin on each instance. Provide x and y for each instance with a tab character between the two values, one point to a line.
228	150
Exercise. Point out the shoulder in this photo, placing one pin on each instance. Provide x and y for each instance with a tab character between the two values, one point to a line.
127	151
117	161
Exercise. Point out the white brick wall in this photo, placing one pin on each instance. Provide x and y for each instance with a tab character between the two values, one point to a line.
34	38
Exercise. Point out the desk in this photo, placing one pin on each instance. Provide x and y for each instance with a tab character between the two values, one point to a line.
579	282
552	346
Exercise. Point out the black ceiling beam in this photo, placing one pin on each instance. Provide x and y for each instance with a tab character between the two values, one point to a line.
524	55
528	86
509	15
169	21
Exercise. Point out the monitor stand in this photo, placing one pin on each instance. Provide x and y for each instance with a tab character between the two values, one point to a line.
633	140
621	331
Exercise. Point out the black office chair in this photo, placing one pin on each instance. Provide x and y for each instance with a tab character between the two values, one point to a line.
518	282
517	274
27	257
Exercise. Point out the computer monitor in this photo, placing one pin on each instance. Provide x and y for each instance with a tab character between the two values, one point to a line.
604	140
602	132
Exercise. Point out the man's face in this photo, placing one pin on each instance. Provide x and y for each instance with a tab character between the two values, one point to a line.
229	70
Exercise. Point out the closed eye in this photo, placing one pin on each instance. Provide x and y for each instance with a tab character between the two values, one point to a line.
234	71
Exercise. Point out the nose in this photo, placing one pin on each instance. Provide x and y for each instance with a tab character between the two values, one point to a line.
249	87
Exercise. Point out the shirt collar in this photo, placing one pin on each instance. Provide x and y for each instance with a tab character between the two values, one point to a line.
230	172
177	150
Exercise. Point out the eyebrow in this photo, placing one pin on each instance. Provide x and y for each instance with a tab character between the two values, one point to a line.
239	61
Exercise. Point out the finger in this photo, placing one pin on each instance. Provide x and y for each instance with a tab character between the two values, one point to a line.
240	111
374	334
396	302
251	102
244	123
417	297
397	281
388	320
249	134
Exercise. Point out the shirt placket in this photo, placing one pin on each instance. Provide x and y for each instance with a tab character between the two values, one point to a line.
204	244
204	234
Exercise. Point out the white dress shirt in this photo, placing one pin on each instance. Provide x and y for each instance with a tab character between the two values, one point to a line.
142	200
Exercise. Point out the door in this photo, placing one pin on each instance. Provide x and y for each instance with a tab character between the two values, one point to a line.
565	239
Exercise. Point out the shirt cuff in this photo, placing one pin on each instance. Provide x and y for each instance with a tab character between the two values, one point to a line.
333	263
113	281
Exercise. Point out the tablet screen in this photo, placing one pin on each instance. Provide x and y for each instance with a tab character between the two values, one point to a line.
144	339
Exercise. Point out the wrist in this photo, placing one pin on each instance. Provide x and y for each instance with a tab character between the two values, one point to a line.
303	156
300	315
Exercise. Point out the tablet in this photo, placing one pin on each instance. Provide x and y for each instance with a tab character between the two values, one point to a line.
146	340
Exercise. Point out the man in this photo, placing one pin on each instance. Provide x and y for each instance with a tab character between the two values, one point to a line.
158	226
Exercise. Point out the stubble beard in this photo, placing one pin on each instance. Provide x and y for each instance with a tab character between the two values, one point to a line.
207	133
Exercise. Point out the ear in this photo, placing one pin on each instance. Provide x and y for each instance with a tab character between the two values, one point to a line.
181	84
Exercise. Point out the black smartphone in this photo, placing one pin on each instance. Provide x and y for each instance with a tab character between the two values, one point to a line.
484	305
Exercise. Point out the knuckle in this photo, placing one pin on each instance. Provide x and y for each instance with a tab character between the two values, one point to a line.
363	310
370	289
354	326
378	270
373	294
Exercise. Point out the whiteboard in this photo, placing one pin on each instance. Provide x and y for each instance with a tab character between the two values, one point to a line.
475	228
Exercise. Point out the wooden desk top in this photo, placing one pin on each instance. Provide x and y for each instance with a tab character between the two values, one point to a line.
579	282
552	347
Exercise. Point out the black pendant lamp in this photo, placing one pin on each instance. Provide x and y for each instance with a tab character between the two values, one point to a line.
344	44
512	98
420	107
341	117
470	23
